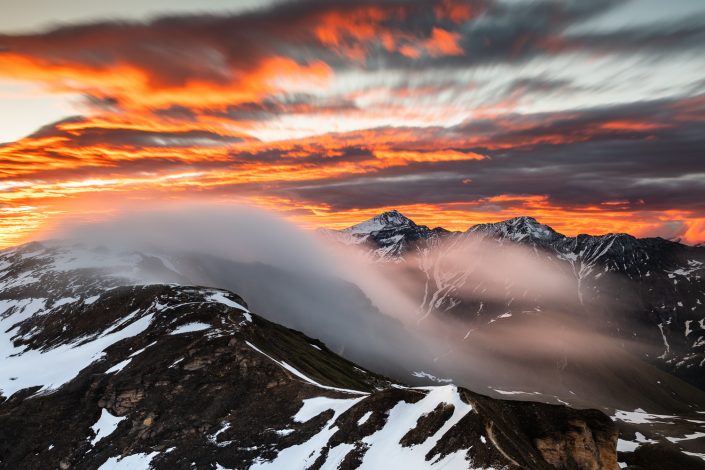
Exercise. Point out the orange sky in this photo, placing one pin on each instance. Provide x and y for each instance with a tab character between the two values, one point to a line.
330	115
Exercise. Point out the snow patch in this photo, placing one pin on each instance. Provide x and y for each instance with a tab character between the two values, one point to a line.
303	455
52	368
118	367
426	375
630	446
687	437
190	328
363	419
131	462
105	425
384	444
640	416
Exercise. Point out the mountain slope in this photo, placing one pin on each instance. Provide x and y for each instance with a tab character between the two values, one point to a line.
102	368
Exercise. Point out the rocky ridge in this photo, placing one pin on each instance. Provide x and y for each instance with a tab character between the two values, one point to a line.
103	368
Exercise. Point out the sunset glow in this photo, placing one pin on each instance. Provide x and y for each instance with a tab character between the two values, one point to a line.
330	113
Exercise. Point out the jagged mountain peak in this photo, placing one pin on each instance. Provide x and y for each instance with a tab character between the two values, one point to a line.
389	219
518	228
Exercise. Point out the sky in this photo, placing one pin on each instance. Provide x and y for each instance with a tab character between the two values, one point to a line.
588	116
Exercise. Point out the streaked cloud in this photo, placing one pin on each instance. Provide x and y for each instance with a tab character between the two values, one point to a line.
457	111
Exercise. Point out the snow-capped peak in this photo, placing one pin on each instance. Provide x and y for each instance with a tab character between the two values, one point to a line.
518	228
389	219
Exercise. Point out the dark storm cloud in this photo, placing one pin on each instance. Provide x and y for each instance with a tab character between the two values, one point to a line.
605	154
175	50
311	156
132	138
219	49
299	103
521	30
539	85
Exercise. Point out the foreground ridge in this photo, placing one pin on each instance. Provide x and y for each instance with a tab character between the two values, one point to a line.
175	376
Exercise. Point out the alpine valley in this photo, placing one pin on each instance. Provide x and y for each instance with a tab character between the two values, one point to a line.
133	359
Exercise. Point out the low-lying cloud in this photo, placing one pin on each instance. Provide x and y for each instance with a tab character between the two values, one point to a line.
309	282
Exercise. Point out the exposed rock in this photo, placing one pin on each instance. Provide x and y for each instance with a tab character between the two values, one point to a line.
661	457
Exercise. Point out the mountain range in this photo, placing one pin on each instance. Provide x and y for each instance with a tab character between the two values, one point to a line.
147	359
651	290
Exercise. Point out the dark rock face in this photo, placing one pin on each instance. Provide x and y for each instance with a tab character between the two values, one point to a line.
172	376
661	457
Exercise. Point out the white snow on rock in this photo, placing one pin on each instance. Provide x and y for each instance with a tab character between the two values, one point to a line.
303	377
119	366
364	418
630	446
301	456
695	454
687	437
426	375
336	456
220	297
105	425
131	462
375	224
52	368
383	445
640	416
190	327
514	392
313	407
64	301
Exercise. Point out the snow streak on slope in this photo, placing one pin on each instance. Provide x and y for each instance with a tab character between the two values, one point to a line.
300	375
54	367
383	447
303	455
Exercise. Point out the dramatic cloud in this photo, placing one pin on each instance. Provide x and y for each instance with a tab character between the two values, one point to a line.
456	111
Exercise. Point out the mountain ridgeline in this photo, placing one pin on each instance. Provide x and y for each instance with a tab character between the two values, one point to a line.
650	292
115	358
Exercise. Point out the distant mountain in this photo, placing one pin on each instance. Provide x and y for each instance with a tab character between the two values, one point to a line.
655	288
105	366
517	230
388	235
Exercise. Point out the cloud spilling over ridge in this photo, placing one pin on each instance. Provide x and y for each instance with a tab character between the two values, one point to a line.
297	278
246	234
